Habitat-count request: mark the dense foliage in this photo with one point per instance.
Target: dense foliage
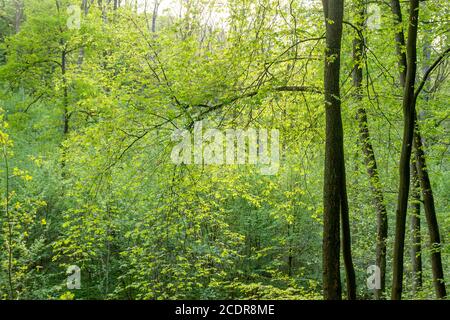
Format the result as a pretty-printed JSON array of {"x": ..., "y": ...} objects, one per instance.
[{"x": 87, "y": 117}]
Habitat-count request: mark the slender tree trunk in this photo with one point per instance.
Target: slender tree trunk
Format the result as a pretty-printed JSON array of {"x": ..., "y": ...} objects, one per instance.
[
  {"x": 369, "y": 155},
  {"x": 408, "y": 132},
  {"x": 335, "y": 202},
  {"x": 290, "y": 256},
  {"x": 65, "y": 93},
  {"x": 416, "y": 247},
  {"x": 155, "y": 15},
  {"x": 9, "y": 222},
  {"x": 85, "y": 9},
  {"x": 430, "y": 213},
  {"x": 399, "y": 40},
  {"x": 346, "y": 237},
  {"x": 65, "y": 98},
  {"x": 104, "y": 8},
  {"x": 428, "y": 199},
  {"x": 18, "y": 4}
]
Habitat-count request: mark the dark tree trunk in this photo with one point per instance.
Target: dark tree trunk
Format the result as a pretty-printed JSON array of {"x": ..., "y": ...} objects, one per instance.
[
  {"x": 408, "y": 132},
  {"x": 65, "y": 93},
  {"x": 430, "y": 215},
  {"x": 428, "y": 199},
  {"x": 346, "y": 238},
  {"x": 369, "y": 155},
  {"x": 399, "y": 40},
  {"x": 416, "y": 246},
  {"x": 65, "y": 97},
  {"x": 335, "y": 197}
]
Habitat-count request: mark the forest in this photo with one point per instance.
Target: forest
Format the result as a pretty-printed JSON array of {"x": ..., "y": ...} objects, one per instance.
[{"x": 224, "y": 149}]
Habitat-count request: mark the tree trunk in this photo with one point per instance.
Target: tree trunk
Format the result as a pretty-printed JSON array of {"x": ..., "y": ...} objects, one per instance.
[
  {"x": 369, "y": 156},
  {"x": 408, "y": 132},
  {"x": 85, "y": 9},
  {"x": 65, "y": 93},
  {"x": 346, "y": 238},
  {"x": 155, "y": 15},
  {"x": 399, "y": 40},
  {"x": 18, "y": 4},
  {"x": 430, "y": 215},
  {"x": 430, "y": 212},
  {"x": 416, "y": 247},
  {"x": 335, "y": 202},
  {"x": 9, "y": 229}
]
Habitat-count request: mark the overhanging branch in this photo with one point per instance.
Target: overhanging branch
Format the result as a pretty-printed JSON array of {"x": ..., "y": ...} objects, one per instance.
[{"x": 429, "y": 71}]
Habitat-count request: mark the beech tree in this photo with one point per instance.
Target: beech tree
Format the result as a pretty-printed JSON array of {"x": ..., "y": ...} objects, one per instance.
[
  {"x": 335, "y": 194},
  {"x": 419, "y": 161},
  {"x": 359, "y": 57}
]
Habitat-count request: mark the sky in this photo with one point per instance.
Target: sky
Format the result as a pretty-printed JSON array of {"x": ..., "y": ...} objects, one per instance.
[{"x": 215, "y": 17}]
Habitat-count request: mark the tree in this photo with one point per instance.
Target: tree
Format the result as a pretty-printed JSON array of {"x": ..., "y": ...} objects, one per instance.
[
  {"x": 335, "y": 195},
  {"x": 367, "y": 148},
  {"x": 404, "y": 167},
  {"x": 422, "y": 171},
  {"x": 416, "y": 239}
]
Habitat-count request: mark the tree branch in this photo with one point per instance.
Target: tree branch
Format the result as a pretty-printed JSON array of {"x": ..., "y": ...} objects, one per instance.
[{"x": 428, "y": 72}]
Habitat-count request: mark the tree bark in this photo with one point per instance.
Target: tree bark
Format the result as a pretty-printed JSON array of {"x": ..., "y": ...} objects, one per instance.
[
  {"x": 346, "y": 238},
  {"x": 335, "y": 197},
  {"x": 430, "y": 213},
  {"x": 408, "y": 132},
  {"x": 85, "y": 10},
  {"x": 399, "y": 40},
  {"x": 155, "y": 15},
  {"x": 18, "y": 5},
  {"x": 416, "y": 247},
  {"x": 369, "y": 155}
]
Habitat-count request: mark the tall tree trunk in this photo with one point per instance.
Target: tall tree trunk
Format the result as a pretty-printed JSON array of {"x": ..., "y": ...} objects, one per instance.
[
  {"x": 430, "y": 213},
  {"x": 346, "y": 237},
  {"x": 399, "y": 40},
  {"x": 65, "y": 97},
  {"x": 104, "y": 9},
  {"x": 428, "y": 199},
  {"x": 85, "y": 9},
  {"x": 408, "y": 132},
  {"x": 416, "y": 247},
  {"x": 335, "y": 197},
  {"x": 369, "y": 155},
  {"x": 155, "y": 15},
  {"x": 18, "y": 4},
  {"x": 9, "y": 229},
  {"x": 65, "y": 92}
]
